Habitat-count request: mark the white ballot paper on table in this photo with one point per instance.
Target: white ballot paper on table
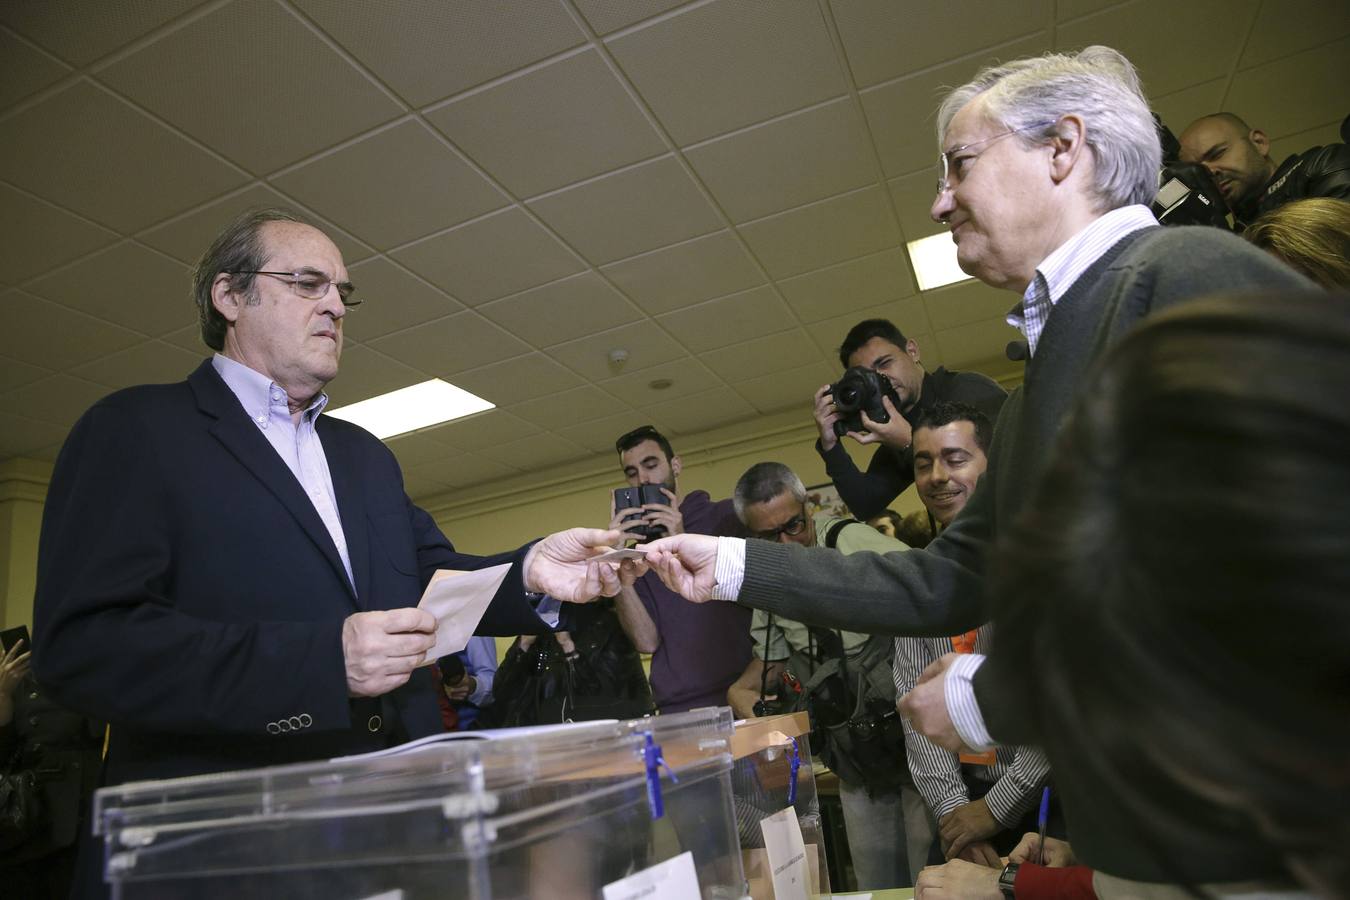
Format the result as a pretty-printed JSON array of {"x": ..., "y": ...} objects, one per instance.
[
  {"x": 787, "y": 855},
  {"x": 674, "y": 879},
  {"x": 458, "y": 600}
]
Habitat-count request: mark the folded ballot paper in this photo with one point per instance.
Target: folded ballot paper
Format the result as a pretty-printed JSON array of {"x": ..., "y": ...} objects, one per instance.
[{"x": 458, "y": 600}]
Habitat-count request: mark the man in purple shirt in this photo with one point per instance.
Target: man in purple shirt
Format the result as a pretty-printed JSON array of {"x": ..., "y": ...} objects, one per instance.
[{"x": 698, "y": 649}]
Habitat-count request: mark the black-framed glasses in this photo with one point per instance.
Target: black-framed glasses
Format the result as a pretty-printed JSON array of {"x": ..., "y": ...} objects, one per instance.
[
  {"x": 949, "y": 163},
  {"x": 792, "y": 527},
  {"x": 637, "y": 436},
  {"x": 310, "y": 284}
]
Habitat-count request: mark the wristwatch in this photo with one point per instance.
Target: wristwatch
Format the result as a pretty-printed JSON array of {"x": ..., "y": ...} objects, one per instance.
[{"x": 1007, "y": 879}]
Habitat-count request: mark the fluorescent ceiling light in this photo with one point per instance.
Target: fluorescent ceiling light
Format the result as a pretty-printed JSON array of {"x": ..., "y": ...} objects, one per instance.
[
  {"x": 410, "y": 408},
  {"x": 934, "y": 260}
]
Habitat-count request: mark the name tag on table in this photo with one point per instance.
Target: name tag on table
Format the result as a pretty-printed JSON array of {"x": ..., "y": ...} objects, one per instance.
[{"x": 674, "y": 879}]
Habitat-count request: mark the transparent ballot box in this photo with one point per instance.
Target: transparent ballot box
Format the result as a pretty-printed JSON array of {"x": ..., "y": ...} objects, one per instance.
[
  {"x": 556, "y": 812},
  {"x": 772, "y": 772}
]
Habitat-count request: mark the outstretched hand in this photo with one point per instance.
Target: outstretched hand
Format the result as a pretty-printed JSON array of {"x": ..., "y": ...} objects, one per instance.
[
  {"x": 563, "y": 565},
  {"x": 685, "y": 562}
]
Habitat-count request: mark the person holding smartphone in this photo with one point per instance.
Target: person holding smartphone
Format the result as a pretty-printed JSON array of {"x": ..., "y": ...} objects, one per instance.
[{"x": 698, "y": 650}]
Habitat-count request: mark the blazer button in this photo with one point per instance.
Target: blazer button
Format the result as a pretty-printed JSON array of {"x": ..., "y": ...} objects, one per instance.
[
  {"x": 295, "y": 723},
  {"x": 283, "y": 725},
  {"x": 273, "y": 728},
  {"x": 305, "y": 720},
  {"x": 374, "y": 724}
]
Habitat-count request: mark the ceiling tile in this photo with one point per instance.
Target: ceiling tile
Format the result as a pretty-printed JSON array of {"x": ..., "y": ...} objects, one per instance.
[
  {"x": 1066, "y": 10},
  {"x": 1277, "y": 97},
  {"x": 608, "y": 15},
  {"x": 453, "y": 344},
  {"x": 599, "y": 434},
  {"x": 519, "y": 379},
  {"x": 720, "y": 65},
  {"x": 364, "y": 373},
  {"x": 42, "y": 333},
  {"x": 59, "y": 399},
  {"x": 152, "y": 362},
  {"x": 646, "y": 343},
  {"x": 417, "y": 448},
  {"x": 1290, "y": 26},
  {"x": 189, "y": 339},
  {"x": 14, "y": 373},
  {"x": 691, "y": 415},
  {"x": 35, "y": 236},
  {"x": 886, "y": 40},
  {"x": 1179, "y": 108},
  {"x": 975, "y": 343},
  {"x": 24, "y": 69},
  {"x": 395, "y": 299},
  {"x": 1330, "y": 133},
  {"x": 81, "y": 32},
  {"x": 685, "y": 273},
  {"x": 537, "y": 452},
  {"x": 787, "y": 162},
  {"x": 483, "y": 431},
  {"x": 567, "y": 407},
  {"x": 419, "y": 489},
  {"x": 463, "y": 471},
  {"x": 967, "y": 302},
  {"x": 86, "y": 150},
  {"x": 762, "y": 356},
  {"x": 902, "y": 114},
  {"x": 128, "y": 284},
  {"x": 913, "y": 197},
  {"x": 562, "y": 311},
  {"x": 431, "y": 49},
  {"x": 687, "y": 376},
  {"x": 551, "y": 125},
  {"x": 300, "y": 95},
  {"x": 500, "y": 254},
  {"x": 1133, "y": 30},
  {"x": 728, "y": 320},
  {"x": 611, "y": 218},
  {"x": 792, "y": 389},
  {"x": 187, "y": 236},
  {"x": 908, "y": 315},
  {"x": 20, "y": 436},
  {"x": 423, "y": 186},
  {"x": 856, "y": 284},
  {"x": 831, "y": 231}
]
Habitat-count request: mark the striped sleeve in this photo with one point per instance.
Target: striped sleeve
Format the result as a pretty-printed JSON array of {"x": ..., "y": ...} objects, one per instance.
[{"x": 937, "y": 772}]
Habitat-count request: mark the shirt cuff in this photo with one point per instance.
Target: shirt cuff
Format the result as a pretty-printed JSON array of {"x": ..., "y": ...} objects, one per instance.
[
  {"x": 962, "y": 707},
  {"x": 729, "y": 571},
  {"x": 549, "y": 608}
]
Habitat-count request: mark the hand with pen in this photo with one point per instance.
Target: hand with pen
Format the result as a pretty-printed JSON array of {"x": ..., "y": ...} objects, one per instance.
[{"x": 1057, "y": 853}]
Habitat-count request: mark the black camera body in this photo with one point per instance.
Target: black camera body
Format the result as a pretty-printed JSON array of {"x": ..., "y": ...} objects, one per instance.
[
  {"x": 633, "y": 497},
  {"x": 859, "y": 391}
]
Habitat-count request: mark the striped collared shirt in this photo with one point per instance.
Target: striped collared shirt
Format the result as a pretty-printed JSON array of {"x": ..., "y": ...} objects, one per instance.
[
  {"x": 299, "y": 447},
  {"x": 1058, "y": 271}
]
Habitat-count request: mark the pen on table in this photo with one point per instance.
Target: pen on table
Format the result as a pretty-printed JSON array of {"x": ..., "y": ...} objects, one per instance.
[{"x": 1045, "y": 814}]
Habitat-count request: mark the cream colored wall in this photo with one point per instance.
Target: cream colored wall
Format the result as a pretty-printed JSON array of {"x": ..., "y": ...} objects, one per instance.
[{"x": 23, "y": 487}]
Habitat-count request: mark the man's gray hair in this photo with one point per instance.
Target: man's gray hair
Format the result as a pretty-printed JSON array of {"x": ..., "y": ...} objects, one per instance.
[
  {"x": 764, "y": 481},
  {"x": 237, "y": 248},
  {"x": 1097, "y": 83}
]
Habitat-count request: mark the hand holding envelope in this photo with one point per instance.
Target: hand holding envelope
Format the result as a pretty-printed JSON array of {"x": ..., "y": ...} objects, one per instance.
[{"x": 579, "y": 564}]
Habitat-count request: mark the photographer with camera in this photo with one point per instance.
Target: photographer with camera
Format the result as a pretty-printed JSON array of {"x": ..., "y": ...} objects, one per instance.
[
  {"x": 824, "y": 671},
  {"x": 697, "y": 649},
  {"x": 1238, "y": 156},
  {"x": 880, "y": 394}
]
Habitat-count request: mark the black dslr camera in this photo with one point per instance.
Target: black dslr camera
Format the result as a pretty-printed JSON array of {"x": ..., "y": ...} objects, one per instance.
[
  {"x": 860, "y": 391},
  {"x": 633, "y": 497}
]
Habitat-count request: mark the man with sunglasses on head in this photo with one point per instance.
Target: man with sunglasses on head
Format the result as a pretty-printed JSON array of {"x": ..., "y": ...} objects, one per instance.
[
  {"x": 1046, "y": 170},
  {"x": 232, "y": 578},
  {"x": 697, "y": 649},
  {"x": 796, "y": 666}
]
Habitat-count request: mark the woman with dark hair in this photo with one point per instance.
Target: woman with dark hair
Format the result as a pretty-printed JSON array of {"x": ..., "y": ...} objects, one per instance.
[{"x": 1174, "y": 607}]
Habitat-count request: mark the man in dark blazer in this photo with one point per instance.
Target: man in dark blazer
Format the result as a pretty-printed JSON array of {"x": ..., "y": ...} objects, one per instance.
[{"x": 230, "y": 578}]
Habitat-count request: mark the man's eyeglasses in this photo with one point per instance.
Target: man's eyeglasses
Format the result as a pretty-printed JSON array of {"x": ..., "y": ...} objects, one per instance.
[
  {"x": 949, "y": 163},
  {"x": 310, "y": 284},
  {"x": 792, "y": 527}
]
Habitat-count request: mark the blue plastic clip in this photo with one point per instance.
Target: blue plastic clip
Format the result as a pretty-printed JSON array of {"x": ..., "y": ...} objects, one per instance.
[
  {"x": 796, "y": 766},
  {"x": 654, "y": 762}
]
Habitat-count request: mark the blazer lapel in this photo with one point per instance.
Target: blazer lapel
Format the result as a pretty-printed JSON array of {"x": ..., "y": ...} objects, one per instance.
[
  {"x": 233, "y": 428},
  {"x": 345, "y": 470}
]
